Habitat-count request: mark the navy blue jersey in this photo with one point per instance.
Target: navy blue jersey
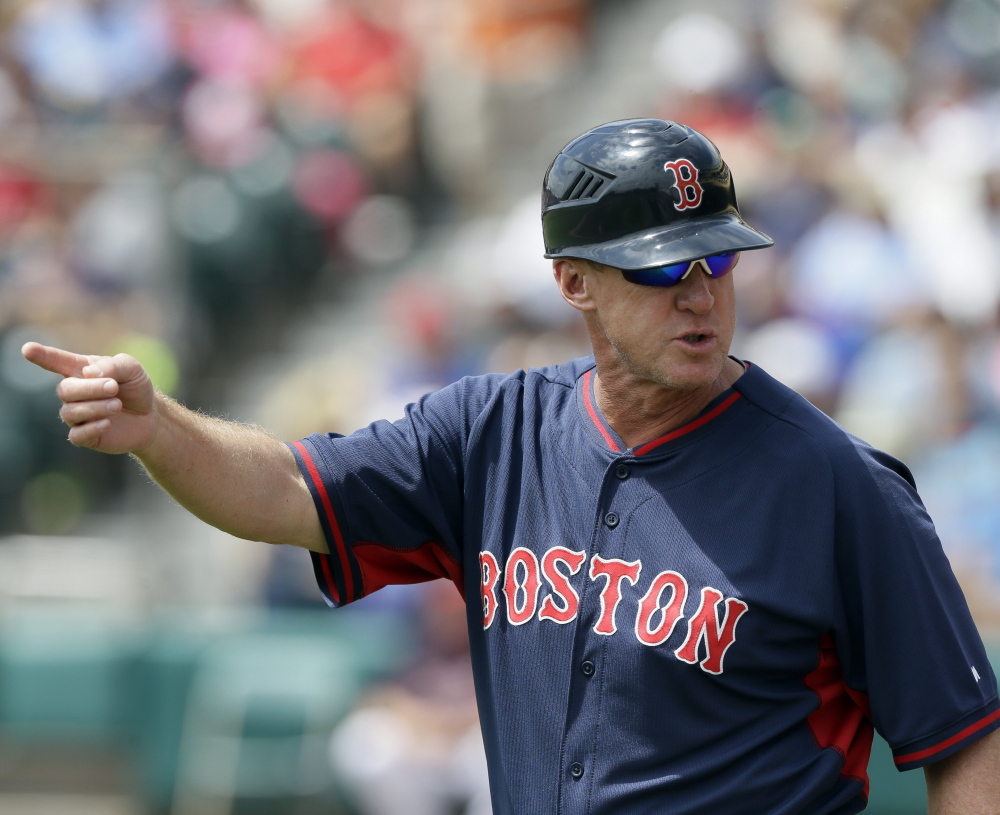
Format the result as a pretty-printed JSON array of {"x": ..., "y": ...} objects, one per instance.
[{"x": 711, "y": 621}]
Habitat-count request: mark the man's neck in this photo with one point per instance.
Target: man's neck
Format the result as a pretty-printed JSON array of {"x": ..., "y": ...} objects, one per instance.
[{"x": 640, "y": 410}]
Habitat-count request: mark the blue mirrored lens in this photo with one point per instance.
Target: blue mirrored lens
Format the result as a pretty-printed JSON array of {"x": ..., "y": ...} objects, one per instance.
[
  {"x": 719, "y": 265},
  {"x": 659, "y": 276},
  {"x": 663, "y": 276}
]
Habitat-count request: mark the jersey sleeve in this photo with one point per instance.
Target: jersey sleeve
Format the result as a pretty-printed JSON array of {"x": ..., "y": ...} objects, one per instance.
[
  {"x": 390, "y": 496},
  {"x": 907, "y": 639}
]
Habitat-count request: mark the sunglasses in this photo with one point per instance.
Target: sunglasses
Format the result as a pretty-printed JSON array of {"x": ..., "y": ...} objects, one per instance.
[{"x": 714, "y": 266}]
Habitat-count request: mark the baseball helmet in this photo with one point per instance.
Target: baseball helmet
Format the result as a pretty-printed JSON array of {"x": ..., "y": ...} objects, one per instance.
[{"x": 641, "y": 193}]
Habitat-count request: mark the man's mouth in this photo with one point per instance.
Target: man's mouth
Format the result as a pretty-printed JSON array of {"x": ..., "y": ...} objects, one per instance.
[{"x": 696, "y": 337}]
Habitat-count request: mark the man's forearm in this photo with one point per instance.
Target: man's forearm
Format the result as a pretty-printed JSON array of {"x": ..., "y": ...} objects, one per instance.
[{"x": 234, "y": 476}]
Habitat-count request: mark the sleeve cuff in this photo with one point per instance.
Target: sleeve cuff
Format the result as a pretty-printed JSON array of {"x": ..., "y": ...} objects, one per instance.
[
  {"x": 945, "y": 743},
  {"x": 337, "y": 573}
]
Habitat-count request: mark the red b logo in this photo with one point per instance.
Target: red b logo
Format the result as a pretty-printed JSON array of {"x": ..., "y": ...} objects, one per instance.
[{"x": 686, "y": 183}]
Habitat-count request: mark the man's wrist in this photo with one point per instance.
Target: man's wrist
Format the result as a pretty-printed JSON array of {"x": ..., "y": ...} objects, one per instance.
[{"x": 159, "y": 418}]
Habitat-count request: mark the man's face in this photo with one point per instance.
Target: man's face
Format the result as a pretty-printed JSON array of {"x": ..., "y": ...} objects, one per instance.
[{"x": 677, "y": 337}]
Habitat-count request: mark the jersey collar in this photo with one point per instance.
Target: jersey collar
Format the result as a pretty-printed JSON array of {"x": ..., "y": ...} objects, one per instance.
[{"x": 587, "y": 402}]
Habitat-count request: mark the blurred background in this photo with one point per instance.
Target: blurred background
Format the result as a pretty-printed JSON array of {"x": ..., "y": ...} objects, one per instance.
[{"x": 306, "y": 213}]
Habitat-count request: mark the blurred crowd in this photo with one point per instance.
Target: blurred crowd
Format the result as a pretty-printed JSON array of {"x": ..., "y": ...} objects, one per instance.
[
  {"x": 180, "y": 178},
  {"x": 185, "y": 179}
]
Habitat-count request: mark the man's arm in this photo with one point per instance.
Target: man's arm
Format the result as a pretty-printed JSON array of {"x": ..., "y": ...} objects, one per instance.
[
  {"x": 236, "y": 477},
  {"x": 968, "y": 782}
]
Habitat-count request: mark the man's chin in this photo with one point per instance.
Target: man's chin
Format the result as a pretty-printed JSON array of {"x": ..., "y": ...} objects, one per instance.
[{"x": 692, "y": 376}]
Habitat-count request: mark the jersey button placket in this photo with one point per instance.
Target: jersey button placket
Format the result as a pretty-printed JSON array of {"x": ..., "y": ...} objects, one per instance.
[{"x": 587, "y": 688}]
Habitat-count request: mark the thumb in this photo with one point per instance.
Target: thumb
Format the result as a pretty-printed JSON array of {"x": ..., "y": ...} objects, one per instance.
[{"x": 122, "y": 368}]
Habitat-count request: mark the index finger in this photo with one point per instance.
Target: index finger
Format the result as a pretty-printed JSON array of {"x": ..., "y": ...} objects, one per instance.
[{"x": 54, "y": 359}]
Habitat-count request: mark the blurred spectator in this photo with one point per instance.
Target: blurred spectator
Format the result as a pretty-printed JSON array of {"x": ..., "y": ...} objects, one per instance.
[
  {"x": 959, "y": 483},
  {"x": 83, "y": 56}
]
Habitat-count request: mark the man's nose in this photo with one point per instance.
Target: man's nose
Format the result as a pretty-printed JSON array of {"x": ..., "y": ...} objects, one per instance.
[{"x": 694, "y": 292}]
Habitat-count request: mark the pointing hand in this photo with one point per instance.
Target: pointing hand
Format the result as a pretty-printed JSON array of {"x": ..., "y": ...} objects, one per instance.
[{"x": 108, "y": 402}]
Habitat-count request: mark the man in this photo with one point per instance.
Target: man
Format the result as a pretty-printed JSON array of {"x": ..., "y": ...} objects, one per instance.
[{"x": 687, "y": 589}]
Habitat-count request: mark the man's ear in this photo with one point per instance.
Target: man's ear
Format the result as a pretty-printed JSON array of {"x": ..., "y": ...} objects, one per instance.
[{"x": 571, "y": 276}]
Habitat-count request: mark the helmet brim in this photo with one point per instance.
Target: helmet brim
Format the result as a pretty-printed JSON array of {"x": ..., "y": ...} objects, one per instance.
[{"x": 675, "y": 243}]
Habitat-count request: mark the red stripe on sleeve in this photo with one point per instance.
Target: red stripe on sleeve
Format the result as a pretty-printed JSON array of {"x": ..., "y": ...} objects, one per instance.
[
  {"x": 594, "y": 415},
  {"x": 693, "y": 425},
  {"x": 937, "y": 748},
  {"x": 338, "y": 538}
]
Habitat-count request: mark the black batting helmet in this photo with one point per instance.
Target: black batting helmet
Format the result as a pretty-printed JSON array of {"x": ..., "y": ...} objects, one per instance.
[{"x": 640, "y": 193}]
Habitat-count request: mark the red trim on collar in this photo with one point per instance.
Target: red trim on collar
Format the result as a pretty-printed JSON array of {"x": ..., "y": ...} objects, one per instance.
[
  {"x": 595, "y": 417},
  {"x": 692, "y": 425}
]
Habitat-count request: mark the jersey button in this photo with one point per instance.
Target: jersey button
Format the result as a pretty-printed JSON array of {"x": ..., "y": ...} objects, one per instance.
[
  {"x": 587, "y": 668},
  {"x": 612, "y": 520},
  {"x": 622, "y": 472},
  {"x": 576, "y": 770}
]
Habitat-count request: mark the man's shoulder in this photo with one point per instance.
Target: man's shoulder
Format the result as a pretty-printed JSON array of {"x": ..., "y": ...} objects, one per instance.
[
  {"x": 810, "y": 429},
  {"x": 475, "y": 396},
  {"x": 562, "y": 376},
  {"x": 789, "y": 407}
]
